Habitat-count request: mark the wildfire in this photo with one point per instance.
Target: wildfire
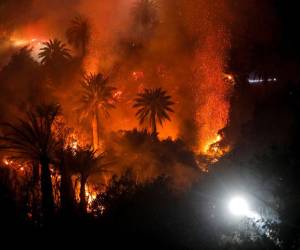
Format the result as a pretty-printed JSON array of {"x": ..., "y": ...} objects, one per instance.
[
  {"x": 214, "y": 151},
  {"x": 117, "y": 95},
  {"x": 20, "y": 42},
  {"x": 18, "y": 166},
  {"x": 137, "y": 75},
  {"x": 91, "y": 63},
  {"x": 73, "y": 142},
  {"x": 91, "y": 195},
  {"x": 210, "y": 143},
  {"x": 213, "y": 89},
  {"x": 229, "y": 78},
  {"x": 34, "y": 43},
  {"x": 7, "y": 162}
]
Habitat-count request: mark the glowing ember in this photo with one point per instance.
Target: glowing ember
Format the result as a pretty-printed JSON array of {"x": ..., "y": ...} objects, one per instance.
[
  {"x": 137, "y": 75},
  {"x": 90, "y": 195},
  {"x": 229, "y": 78},
  {"x": 15, "y": 165},
  {"x": 212, "y": 91},
  {"x": 73, "y": 142},
  {"x": 9, "y": 162},
  {"x": 214, "y": 151},
  {"x": 117, "y": 95},
  {"x": 6, "y": 162},
  {"x": 209, "y": 144}
]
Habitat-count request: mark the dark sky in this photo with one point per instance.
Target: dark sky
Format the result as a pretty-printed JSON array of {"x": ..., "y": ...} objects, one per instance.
[
  {"x": 288, "y": 14},
  {"x": 266, "y": 37}
]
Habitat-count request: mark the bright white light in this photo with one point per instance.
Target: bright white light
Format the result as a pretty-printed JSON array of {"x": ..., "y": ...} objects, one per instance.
[{"x": 238, "y": 206}]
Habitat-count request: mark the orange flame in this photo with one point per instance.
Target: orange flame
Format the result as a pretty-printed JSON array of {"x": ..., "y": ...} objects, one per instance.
[{"x": 212, "y": 90}]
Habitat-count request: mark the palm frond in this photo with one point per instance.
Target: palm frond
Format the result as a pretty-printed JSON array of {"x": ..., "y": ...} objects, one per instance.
[
  {"x": 54, "y": 51},
  {"x": 153, "y": 105},
  {"x": 31, "y": 138},
  {"x": 79, "y": 32},
  {"x": 97, "y": 95}
]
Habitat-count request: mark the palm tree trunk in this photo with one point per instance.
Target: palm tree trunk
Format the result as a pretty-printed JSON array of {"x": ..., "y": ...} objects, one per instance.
[
  {"x": 99, "y": 132},
  {"x": 47, "y": 191},
  {"x": 35, "y": 172},
  {"x": 83, "y": 202},
  {"x": 83, "y": 50},
  {"x": 95, "y": 131},
  {"x": 35, "y": 188},
  {"x": 67, "y": 194},
  {"x": 153, "y": 121}
]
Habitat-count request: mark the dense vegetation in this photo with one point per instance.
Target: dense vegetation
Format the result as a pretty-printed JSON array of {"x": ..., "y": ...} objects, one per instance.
[{"x": 150, "y": 192}]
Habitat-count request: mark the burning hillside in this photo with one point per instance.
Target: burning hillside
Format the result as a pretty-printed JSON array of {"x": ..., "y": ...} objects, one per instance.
[
  {"x": 165, "y": 122},
  {"x": 152, "y": 65}
]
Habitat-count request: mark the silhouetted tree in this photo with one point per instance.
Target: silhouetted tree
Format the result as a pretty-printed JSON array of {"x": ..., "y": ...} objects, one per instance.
[
  {"x": 54, "y": 52},
  {"x": 8, "y": 210},
  {"x": 153, "y": 106},
  {"x": 66, "y": 188},
  {"x": 21, "y": 76},
  {"x": 144, "y": 20},
  {"x": 79, "y": 34},
  {"x": 32, "y": 140},
  {"x": 22, "y": 57},
  {"x": 97, "y": 97},
  {"x": 62, "y": 154},
  {"x": 85, "y": 162},
  {"x": 56, "y": 60},
  {"x": 145, "y": 14}
]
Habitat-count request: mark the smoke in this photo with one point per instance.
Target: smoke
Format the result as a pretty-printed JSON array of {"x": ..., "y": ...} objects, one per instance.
[
  {"x": 206, "y": 26},
  {"x": 148, "y": 158},
  {"x": 186, "y": 52}
]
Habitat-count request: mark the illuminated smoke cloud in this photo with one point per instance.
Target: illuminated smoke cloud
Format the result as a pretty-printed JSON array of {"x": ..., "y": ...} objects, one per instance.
[{"x": 186, "y": 53}]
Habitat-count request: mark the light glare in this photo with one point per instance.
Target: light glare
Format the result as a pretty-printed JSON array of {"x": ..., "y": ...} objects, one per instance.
[{"x": 238, "y": 206}]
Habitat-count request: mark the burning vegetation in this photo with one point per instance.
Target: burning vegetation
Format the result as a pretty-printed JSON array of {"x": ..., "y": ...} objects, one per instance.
[
  {"x": 138, "y": 87},
  {"x": 137, "y": 119}
]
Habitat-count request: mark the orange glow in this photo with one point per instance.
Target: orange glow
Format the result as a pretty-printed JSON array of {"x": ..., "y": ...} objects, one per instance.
[
  {"x": 72, "y": 141},
  {"x": 213, "y": 91},
  {"x": 91, "y": 195},
  {"x": 20, "y": 42},
  {"x": 91, "y": 64},
  {"x": 215, "y": 151},
  {"x": 34, "y": 43},
  {"x": 7, "y": 162},
  {"x": 117, "y": 95},
  {"x": 137, "y": 75},
  {"x": 211, "y": 86},
  {"x": 207, "y": 147}
]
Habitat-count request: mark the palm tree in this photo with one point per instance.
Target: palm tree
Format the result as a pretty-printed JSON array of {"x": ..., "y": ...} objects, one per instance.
[
  {"x": 145, "y": 13},
  {"x": 85, "y": 162},
  {"x": 79, "y": 34},
  {"x": 53, "y": 53},
  {"x": 67, "y": 198},
  {"x": 153, "y": 106},
  {"x": 32, "y": 140},
  {"x": 62, "y": 154},
  {"x": 97, "y": 97},
  {"x": 23, "y": 57}
]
